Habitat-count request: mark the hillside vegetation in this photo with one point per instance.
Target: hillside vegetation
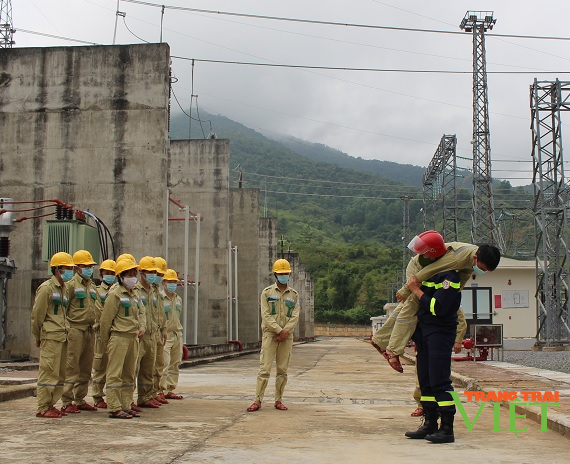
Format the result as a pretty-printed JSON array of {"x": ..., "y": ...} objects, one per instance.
[{"x": 343, "y": 215}]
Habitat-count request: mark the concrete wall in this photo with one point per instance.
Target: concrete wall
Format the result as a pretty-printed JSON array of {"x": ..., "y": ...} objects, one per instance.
[
  {"x": 89, "y": 126},
  {"x": 198, "y": 176},
  {"x": 340, "y": 330},
  {"x": 244, "y": 232}
]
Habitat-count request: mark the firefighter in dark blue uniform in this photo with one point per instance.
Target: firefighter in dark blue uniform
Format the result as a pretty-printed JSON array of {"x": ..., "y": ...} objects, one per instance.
[{"x": 440, "y": 298}]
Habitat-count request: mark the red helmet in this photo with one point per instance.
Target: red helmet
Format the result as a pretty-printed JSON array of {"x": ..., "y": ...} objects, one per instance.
[{"x": 429, "y": 244}]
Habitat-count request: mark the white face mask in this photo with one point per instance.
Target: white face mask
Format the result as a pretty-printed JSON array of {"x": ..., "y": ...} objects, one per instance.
[{"x": 130, "y": 282}]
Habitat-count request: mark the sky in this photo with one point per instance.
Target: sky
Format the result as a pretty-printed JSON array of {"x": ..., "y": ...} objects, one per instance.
[{"x": 392, "y": 116}]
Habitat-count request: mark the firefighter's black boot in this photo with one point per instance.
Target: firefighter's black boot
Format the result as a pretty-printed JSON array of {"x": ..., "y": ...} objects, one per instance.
[
  {"x": 445, "y": 432},
  {"x": 429, "y": 425}
]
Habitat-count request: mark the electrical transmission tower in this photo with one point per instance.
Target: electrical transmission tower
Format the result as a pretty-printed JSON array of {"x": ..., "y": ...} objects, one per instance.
[
  {"x": 406, "y": 234},
  {"x": 440, "y": 188},
  {"x": 551, "y": 197},
  {"x": 484, "y": 227},
  {"x": 6, "y": 28}
]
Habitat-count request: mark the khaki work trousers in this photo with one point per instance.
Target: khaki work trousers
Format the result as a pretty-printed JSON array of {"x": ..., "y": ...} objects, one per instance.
[
  {"x": 80, "y": 346},
  {"x": 270, "y": 350},
  {"x": 122, "y": 351},
  {"x": 51, "y": 375},
  {"x": 172, "y": 358},
  {"x": 159, "y": 365},
  {"x": 146, "y": 362},
  {"x": 401, "y": 325},
  {"x": 98, "y": 377}
]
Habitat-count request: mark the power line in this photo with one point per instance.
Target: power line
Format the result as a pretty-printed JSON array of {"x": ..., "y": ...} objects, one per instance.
[
  {"x": 345, "y": 68},
  {"x": 334, "y": 23}
]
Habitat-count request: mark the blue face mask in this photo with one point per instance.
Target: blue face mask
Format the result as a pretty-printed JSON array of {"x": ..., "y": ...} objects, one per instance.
[
  {"x": 477, "y": 270},
  {"x": 158, "y": 279},
  {"x": 171, "y": 287},
  {"x": 150, "y": 278},
  {"x": 67, "y": 274},
  {"x": 87, "y": 272},
  {"x": 283, "y": 278},
  {"x": 109, "y": 279}
]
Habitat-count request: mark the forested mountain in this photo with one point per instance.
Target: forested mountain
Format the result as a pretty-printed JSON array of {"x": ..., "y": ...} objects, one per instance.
[{"x": 344, "y": 215}]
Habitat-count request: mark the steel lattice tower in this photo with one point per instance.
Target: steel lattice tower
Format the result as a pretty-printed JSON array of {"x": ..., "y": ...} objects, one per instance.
[
  {"x": 483, "y": 229},
  {"x": 6, "y": 28},
  {"x": 551, "y": 196},
  {"x": 440, "y": 188}
]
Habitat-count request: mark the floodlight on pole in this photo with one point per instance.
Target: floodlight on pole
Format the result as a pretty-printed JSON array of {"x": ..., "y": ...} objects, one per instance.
[{"x": 484, "y": 228}]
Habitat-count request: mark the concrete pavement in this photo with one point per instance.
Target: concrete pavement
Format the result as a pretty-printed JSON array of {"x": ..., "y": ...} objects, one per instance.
[{"x": 345, "y": 405}]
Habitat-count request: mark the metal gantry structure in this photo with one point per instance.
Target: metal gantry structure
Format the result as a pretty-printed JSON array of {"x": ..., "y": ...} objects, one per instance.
[
  {"x": 483, "y": 229},
  {"x": 6, "y": 27},
  {"x": 551, "y": 195},
  {"x": 439, "y": 189}
]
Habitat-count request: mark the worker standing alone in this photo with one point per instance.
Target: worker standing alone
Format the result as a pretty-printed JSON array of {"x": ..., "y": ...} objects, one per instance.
[{"x": 279, "y": 315}]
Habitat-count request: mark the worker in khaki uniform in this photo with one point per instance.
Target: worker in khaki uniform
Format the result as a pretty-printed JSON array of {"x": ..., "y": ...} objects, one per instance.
[
  {"x": 122, "y": 324},
  {"x": 457, "y": 346},
  {"x": 107, "y": 274},
  {"x": 172, "y": 304},
  {"x": 161, "y": 340},
  {"x": 81, "y": 341},
  {"x": 279, "y": 315},
  {"x": 462, "y": 257},
  {"x": 146, "y": 360},
  {"x": 50, "y": 329}
]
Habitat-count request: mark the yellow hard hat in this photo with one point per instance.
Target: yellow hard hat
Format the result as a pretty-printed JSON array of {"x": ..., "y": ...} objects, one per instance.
[
  {"x": 125, "y": 264},
  {"x": 147, "y": 263},
  {"x": 161, "y": 263},
  {"x": 108, "y": 265},
  {"x": 170, "y": 274},
  {"x": 281, "y": 266},
  {"x": 126, "y": 256},
  {"x": 83, "y": 257},
  {"x": 61, "y": 259}
]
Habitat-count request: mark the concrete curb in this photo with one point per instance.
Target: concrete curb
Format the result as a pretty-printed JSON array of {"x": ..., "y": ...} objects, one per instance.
[
  {"x": 16, "y": 392},
  {"x": 555, "y": 422}
]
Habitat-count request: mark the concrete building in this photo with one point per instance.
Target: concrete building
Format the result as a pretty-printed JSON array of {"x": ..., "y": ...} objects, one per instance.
[{"x": 89, "y": 126}]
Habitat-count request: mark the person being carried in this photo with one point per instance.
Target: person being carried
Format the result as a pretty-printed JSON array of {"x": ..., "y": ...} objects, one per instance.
[{"x": 465, "y": 258}]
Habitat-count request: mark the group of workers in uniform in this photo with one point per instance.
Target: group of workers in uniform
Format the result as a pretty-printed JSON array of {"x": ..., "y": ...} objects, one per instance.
[
  {"x": 427, "y": 312},
  {"x": 123, "y": 334}
]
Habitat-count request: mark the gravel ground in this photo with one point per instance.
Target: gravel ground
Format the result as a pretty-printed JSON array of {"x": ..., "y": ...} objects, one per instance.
[{"x": 549, "y": 360}]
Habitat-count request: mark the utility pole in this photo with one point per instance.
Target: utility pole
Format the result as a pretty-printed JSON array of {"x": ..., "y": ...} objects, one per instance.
[
  {"x": 6, "y": 27},
  {"x": 483, "y": 229},
  {"x": 405, "y": 234}
]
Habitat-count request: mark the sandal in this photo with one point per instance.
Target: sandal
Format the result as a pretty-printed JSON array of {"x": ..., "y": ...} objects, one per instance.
[
  {"x": 120, "y": 415},
  {"x": 394, "y": 361},
  {"x": 418, "y": 412},
  {"x": 279, "y": 405},
  {"x": 173, "y": 396},
  {"x": 380, "y": 350},
  {"x": 133, "y": 413},
  {"x": 255, "y": 406}
]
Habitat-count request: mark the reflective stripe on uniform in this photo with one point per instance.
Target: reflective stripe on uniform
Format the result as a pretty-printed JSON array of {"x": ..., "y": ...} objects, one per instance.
[
  {"x": 427, "y": 398},
  {"x": 446, "y": 403}
]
